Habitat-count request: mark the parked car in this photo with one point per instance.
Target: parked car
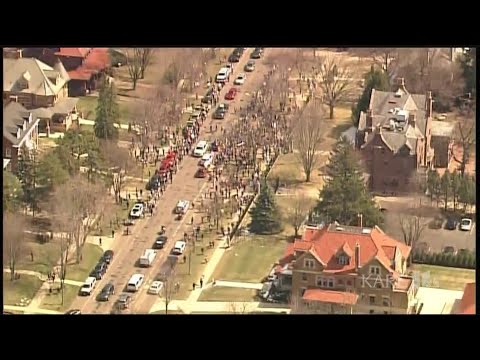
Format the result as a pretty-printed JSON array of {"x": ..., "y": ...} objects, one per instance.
[
  {"x": 137, "y": 211},
  {"x": 99, "y": 270},
  {"x": 266, "y": 289},
  {"x": 219, "y": 114},
  {"x": 450, "y": 250},
  {"x": 230, "y": 95},
  {"x": 72, "y": 312},
  {"x": 179, "y": 247},
  {"x": 88, "y": 286},
  {"x": 106, "y": 292},
  {"x": 160, "y": 242},
  {"x": 182, "y": 207},
  {"x": 234, "y": 57},
  {"x": 206, "y": 160},
  {"x": 451, "y": 224},
  {"x": 155, "y": 288},
  {"x": 239, "y": 50},
  {"x": 208, "y": 98},
  {"x": 123, "y": 301},
  {"x": 250, "y": 66},
  {"x": 466, "y": 224},
  {"x": 240, "y": 80},
  {"x": 108, "y": 256},
  {"x": 256, "y": 54}
]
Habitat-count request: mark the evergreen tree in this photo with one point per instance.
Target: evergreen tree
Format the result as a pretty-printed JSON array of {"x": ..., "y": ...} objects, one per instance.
[
  {"x": 454, "y": 187},
  {"x": 106, "y": 112},
  {"x": 344, "y": 195},
  {"x": 374, "y": 79},
  {"x": 433, "y": 183},
  {"x": 445, "y": 187},
  {"x": 468, "y": 63},
  {"x": 265, "y": 214},
  {"x": 51, "y": 173},
  {"x": 27, "y": 174},
  {"x": 12, "y": 192}
]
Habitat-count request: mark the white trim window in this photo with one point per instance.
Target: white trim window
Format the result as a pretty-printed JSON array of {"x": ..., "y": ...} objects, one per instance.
[
  {"x": 8, "y": 152},
  {"x": 331, "y": 282},
  {"x": 385, "y": 301},
  {"x": 319, "y": 281},
  {"x": 309, "y": 263},
  {"x": 374, "y": 270},
  {"x": 304, "y": 276},
  {"x": 343, "y": 260}
]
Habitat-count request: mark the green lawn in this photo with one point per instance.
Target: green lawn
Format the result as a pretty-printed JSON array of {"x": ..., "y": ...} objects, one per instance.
[
  {"x": 91, "y": 254},
  {"x": 45, "y": 257},
  {"x": 25, "y": 287},
  {"x": 251, "y": 260},
  {"x": 87, "y": 105},
  {"x": 54, "y": 301},
  {"x": 113, "y": 212},
  {"x": 170, "y": 312},
  {"x": 223, "y": 293},
  {"x": 446, "y": 277}
]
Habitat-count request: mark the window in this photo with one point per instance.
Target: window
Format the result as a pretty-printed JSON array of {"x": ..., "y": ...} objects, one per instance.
[
  {"x": 309, "y": 263},
  {"x": 319, "y": 281},
  {"x": 330, "y": 283},
  {"x": 325, "y": 282},
  {"x": 343, "y": 260},
  {"x": 340, "y": 281},
  {"x": 372, "y": 299},
  {"x": 386, "y": 301},
  {"x": 304, "y": 276},
  {"x": 374, "y": 270},
  {"x": 349, "y": 282},
  {"x": 8, "y": 152}
]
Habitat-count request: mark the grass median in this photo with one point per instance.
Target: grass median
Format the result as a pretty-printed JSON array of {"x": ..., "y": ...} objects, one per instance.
[
  {"x": 90, "y": 256},
  {"x": 23, "y": 288},
  {"x": 53, "y": 301}
]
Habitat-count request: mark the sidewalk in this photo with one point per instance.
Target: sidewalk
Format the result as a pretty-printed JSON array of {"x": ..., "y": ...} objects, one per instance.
[
  {"x": 238, "y": 284},
  {"x": 27, "y": 310}
]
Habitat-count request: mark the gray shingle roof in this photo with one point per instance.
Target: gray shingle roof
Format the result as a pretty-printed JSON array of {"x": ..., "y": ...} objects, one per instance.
[
  {"x": 39, "y": 82},
  {"x": 14, "y": 117}
]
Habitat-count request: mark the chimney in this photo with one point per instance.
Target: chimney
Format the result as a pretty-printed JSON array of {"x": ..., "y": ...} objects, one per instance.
[
  {"x": 401, "y": 84},
  {"x": 429, "y": 105},
  {"x": 357, "y": 256},
  {"x": 369, "y": 119},
  {"x": 412, "y": 120}
]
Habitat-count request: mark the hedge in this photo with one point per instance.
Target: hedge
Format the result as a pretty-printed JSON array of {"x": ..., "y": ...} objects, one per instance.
[{"x": 464, "y": 260}]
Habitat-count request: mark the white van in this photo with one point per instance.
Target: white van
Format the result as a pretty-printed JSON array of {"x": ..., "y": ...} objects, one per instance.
[
  {"x": 147, "y": 258},
  {"x": 135, "y": 282},
  {"x": 179, "y": 247},
  {"x": 222, "y": 75},
  {"x": 182, "y": 207},
  {"x": 200, "y": 149},
  {"x": 88, "y": 286}
]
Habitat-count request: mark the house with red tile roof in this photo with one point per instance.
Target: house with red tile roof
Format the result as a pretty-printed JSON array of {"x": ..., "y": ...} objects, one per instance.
[
  {"x": 467, "y": 303},
  {"x": 85, "y": 66},
  {"x": 348, "y": 269}
]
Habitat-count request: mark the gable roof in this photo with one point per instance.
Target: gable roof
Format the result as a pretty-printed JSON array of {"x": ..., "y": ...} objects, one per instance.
[
  {"x": 97, "y": 60},
  {"x": 467, "y": 304},
  {"x": 73, "y": 52},
  {"x": 15, "y": 116},
  {"x": 38, "y": 76},
  {"x": 374, "y": 245}
]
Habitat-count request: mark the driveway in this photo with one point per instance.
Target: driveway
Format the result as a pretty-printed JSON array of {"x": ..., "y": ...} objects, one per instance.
[
  {"x": 185, "y": 186},
  {"x": 437, "y": 239}
]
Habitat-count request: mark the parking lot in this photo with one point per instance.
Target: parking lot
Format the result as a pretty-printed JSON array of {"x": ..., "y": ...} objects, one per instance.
[{"x": 437, "y": 239}]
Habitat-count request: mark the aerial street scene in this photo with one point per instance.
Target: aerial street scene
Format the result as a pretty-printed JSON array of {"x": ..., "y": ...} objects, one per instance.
[{"x": 256, "y": 180}]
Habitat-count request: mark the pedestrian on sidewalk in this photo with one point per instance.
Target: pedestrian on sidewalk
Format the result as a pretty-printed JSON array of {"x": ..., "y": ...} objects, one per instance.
[
  {"x": 192, "y": 220},
  {"x": 193, "y": 286},
  {"x": 202, "y": 250},
  {"x": 113, "y": 234},
  {"x": 100, "y": 241},
  {"x": 201, "y": 283},
  {"x": 184, "y": 259},
  {"x": 31, "y": 255}
]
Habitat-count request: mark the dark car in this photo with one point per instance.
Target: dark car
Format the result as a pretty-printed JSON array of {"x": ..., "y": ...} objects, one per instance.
[
  {"x": 451, "y": 224},
  {"x": 450, "y": 250},
  {"x": 214, "y": 146},
  {"x": 259, "y": 49},
  {"x": 160, "y": 242},
  {"x": 99, "y": 270},
  {"x": 108, "y": 256},
  {"x": 153, "y": 184},
  {"x": 234, "y": 58},
  {"x": 106, "y": 292},
  {"x": 219, "y": 114},
  {"x": 255, "y": 54},
  {"x": 208, "y": 97},
  {"x": 73, "y": 312},
  {"x": 239, "y": 50},
  {"x": 123, "y": 301}
]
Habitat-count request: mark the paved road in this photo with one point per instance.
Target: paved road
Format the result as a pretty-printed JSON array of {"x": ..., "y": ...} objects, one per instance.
[{"x": 184, "y": 186}]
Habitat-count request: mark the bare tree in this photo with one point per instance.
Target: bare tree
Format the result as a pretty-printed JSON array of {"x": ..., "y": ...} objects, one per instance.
[
  {"x": 466, "y": 136},
  {"x": 383, "y": 57},
  {"x": 308, "y": 134},
  {"x": 13, "y": 240},
  {"x": 76, "y": 206},
  {"x": 120, "y": 163},
  {"x": 412, "y": 227},
  {"x": 335, "y": 82},
  {"x": 145, "y": 60},
  {"x": 170, "y": 287},
  {"x": 134, "y": 64},
  {"x": 298, "y": 211}
]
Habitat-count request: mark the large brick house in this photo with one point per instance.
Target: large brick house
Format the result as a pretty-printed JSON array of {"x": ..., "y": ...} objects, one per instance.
[
  {"x": 85, "y": 66},
  {"x": 466, "y": 305},
  {"x": 347, "y": 269},
  {"x": 394, "y": 138},
  {"x": 20, "y": 128},
  {"x": 42, "y": 89}
]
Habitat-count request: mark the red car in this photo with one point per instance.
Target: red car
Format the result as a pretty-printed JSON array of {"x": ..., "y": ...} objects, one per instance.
[{"x": 230, "y": 95}]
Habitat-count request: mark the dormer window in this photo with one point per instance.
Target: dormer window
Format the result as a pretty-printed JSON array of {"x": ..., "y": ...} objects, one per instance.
[
  {"x": 374, "y": 270},
  {"x": 309, "y": 263},
  {"x": 343, "y": 259}
]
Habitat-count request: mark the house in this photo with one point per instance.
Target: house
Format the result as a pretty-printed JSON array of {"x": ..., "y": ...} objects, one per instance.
[
  {"x": 42, "y": 89},
  {"x": 348, "y": 269},
  {"x": 467, "y": 303},
  {"x": 394, "y": 138},
  {"x": 20, "y": 128},
  {"x": 442, "y": 143},
  {"x": 85, "y": 66}
]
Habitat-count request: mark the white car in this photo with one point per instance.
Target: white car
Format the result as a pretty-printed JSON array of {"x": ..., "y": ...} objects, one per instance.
[
  {"x": 222, "y": 75},
  {"x": 182, "y": 207},
  {"x": 466, "y": 224},
  {"x": 240, "y": 80},
  {"x": 155, "y": 288},
  {"x": 136, "y": 211},
  {"x": 206, "y": 160}
]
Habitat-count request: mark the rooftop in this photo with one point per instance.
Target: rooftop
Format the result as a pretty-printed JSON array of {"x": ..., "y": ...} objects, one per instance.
[
  {"x": 330, "y": 296},
  {"x": 17, "y": 122}
]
